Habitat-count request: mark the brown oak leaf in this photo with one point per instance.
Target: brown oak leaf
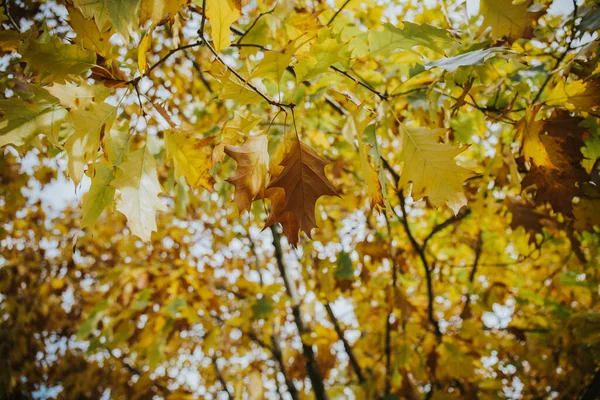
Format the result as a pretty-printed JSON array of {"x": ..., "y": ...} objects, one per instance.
[{"x": 303, "y": 181}]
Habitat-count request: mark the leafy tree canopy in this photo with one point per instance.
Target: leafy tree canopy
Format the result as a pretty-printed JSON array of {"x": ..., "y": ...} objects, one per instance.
[{"x": 300, "y": 199}]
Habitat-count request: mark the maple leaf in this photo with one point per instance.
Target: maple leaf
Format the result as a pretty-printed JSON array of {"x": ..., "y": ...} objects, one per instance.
[
  {"x": 121, "y": 14},
  {"x": 49, "y": 56},
  {"x": 36, "y": 113},
  {"x": 558, "y": 186},
  {"x": 318, "y": 59},
  {"x": 78, "y": 95},
  {"x": 159, "y": 10},
  {"x": 88, "y": 34},
  {"x": 250, "y": 177},
  {"x": 409, "y": 36},
  {"x": 138, "y": 184},
  {"x": 431, "y": 168},
  {"x": 102, "y": 193},
  {"x": 90, "y": 124},
  {"x": 508, "y": 18},
  {"x": 233, "y": 88},
  {"x": 303, "y": 181},
  {"x": 528, "y": 129},
  {"x": 575, "y": 96},
  {"x": 190, "y": 158},
  {"x": 221, "y": 14},
  {"x": 355, "y": 128}
]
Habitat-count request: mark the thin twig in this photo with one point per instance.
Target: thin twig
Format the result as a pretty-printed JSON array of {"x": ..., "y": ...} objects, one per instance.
[
  {"x": 443, "y": 225},
  {"x": 358, "y": 82},
  {"x": 251, "y": 86},
  {"x": 338, "y": 11},
  {"x": 221, "y": 378},
  {"x": 243, "y": 35},
  {"x": 9, "y": 17}
]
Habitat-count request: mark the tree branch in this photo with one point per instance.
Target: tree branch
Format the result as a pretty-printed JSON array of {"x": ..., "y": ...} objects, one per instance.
[
  {"x": 443, "y": 225},
  {"x": 312, "y": 367},
  {"x": 353, "y": 360},
  {"x": 251, "y": 86}
]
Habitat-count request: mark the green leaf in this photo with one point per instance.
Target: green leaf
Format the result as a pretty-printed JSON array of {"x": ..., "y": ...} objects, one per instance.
[
  {"x": 53, "y": 59},
  {"x": 409, "y": 36},
  {"x": 345, "y": 269},
  {"x": 41, "y": 113},
  {"x": 263, "y": 307},
  {"x": 121, "y": 14},
  {"x": 100, "y": 195},
  {"x": 476, "y": 57}
]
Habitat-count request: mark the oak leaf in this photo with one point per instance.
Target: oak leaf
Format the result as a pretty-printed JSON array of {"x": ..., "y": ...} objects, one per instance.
[
  {"x": 121, "y": 14},
  {"x": 53, "y": 59},
  {"x": 250, "y": 177},
  {"x": 37, "y": 112},
  {"x": 303, "y": 181}
]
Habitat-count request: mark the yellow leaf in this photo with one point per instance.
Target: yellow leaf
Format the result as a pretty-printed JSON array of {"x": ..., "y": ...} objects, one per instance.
[
  {"x": 138, "y": 184},
  {"x": 190, "y": 158},
  {"x": 430, "y": 167},
  {"x": 50, "y": 57},
  {"x": 233, "y": 88},
  {"x": 143, "y": 48},
  {"x": 88, "y": 34},
  {"x": 121, "y": 14},
  {"x": 221, "y": 14},
  {"x": 575, "y": 96},
  {"x": 233, "y": 133},
  {"x": 355, "y": 127},
  {"x": 508, "y": 18},
  {"x": 90, "y": 124},
  {"x": 158, "y": 10},
  {"x": 24, "y": 119},
  {"x": 529, "y": 131},
  {"x": 318, "y": 60},
  {"x": 80, "y": 95},
  {"x": 250, "y": 177}
]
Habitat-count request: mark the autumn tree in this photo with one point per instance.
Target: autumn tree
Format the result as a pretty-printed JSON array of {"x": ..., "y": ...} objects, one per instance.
[{"x": 300, "y": 199}]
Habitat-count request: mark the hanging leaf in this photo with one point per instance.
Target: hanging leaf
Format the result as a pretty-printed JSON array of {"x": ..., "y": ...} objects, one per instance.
[
  {"x": 221, "y": 14},
  {"x": 138, "y": 185},
  {"x": 250, "y": 177},
  {"x": 303, "y": 181}
]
